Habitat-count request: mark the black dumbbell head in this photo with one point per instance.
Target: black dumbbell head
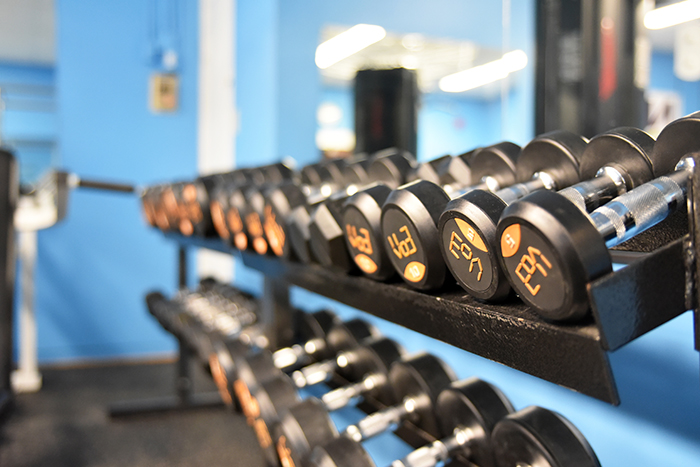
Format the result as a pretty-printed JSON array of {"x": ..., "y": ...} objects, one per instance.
[
  {"x": 549, "y": 251},
  {"x": 255, "y": 367},
  {"x": 341, "y": 452},
  {"x": 538, "y": 437},
  {"x": 326, "y": 235},
  {"x": 222, "y": 364},
  {"x": 376, "y": 356},
  {"x": 468, "y": 243},
  {"x": 497, "y": 162},
  {"x": 422, "y": 378},
  {"x": 275, "y": 396},
  {"x": 361, "y": 220},
  {"x": 476, "y": 406},
  {"x": 235, "y": 217},
  {"x": 253, "y": 218},
  {"x": 409, "y": 229},
  {"x": 299, "y": 236},
  {"x": 347, "y": 335},
  {"x": 558, "y": 153},
  {"x": 391, "y": 168},
  {"x": 273, "y": 173},
  {"x": 280, "y": 201},
  {"x": 314, "y": 325},
  {"x": 303, "y": 426},
  {"x": 626, "y": 149},
  {"x": 678, "y": 139}
]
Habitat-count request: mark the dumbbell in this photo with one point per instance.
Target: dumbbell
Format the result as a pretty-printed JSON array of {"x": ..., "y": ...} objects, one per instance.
[
  {"x": 467, "y": 227},
  {"x": 282, "y": 200},
  {"x": 550, "y": 249},
  {"x": 228, "y": 356},
  {"x": 410, "y": 215},
  {"x": 467, "y": 412},
  {"x": 218, "y": 199},
  {"x": 249, "y": 203},
  {"x": 231, "y": 197},
  {"x": 148, "y": 205},
  {"x": 253, "y": 369},
  {"x": 360, "y": 213},
  {"x": 417, "y": 383},
  {"x": 291, "y": 208},
  {"x": 538, "y": 437},
  {"x": 328, "y": 230},
  {"x": 265, "y": 405},
  {"x": 308, "y": 423}
]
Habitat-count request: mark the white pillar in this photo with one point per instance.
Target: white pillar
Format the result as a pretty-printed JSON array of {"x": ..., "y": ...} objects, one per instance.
[
  {"x": 27, "y": 378},
  {"x": 217, "y": 109}
]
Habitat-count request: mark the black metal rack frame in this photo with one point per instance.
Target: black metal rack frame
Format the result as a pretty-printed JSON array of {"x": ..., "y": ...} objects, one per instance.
[
  {"x": 9, "y": 191},
  {"x": 653, "y": 289}
]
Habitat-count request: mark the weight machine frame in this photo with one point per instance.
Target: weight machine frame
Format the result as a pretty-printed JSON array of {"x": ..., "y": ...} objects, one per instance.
[{"x": 9, "y": 191}]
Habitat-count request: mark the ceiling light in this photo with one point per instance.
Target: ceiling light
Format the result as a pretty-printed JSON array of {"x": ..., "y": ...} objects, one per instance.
[
  {"x": 672, "y": 15},
  {"x": 484, "y": 74},
  {"x": 347, "y": 43}
]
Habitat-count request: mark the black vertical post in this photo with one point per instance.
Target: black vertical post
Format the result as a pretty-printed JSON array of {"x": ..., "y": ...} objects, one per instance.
[
  {"x": 9, "y": 191},
  {"x": 276, "y": 312},
  {"x": 386, "y": 110},
  {"x": 184, "y": 384},
  {"x": 592, "y": 66}
]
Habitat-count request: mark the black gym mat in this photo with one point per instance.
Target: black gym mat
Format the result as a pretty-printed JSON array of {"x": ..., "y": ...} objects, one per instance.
[{"x": 66, "y": 424}]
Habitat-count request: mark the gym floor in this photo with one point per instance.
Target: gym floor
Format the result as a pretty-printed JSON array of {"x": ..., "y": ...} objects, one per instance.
[{"x": 67, "y": 423}]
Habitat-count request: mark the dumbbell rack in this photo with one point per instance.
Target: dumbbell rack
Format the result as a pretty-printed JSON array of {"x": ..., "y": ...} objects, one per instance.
[{"x": 655, "y": 287}]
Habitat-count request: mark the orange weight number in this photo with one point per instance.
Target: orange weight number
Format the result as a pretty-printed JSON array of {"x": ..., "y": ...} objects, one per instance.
[
  {"x": 405, "y": 247},
  {"x": 461, "y": 247},
  {"x": 360, "y": 242},
  {"x": 529, "y": 262}
]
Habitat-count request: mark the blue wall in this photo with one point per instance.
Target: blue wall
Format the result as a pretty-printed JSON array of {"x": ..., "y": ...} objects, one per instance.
[
  {"x": 300, "y": 90},
  {"x": 29, "y": 124},
  {"x": 96, "y": 266},
  {"x": 662, "y": 78}
]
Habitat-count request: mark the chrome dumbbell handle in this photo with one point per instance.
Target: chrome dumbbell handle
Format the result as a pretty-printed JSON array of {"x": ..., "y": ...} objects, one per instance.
[
  {"x": 344, "y": 396},
  {"x": 587, "y": 195},
  {"x": 539, "y": 181},
  {"x": 437, "y": 451},
  {"x": 643, "y": 207},
  {"x": 381, "y": 421}
]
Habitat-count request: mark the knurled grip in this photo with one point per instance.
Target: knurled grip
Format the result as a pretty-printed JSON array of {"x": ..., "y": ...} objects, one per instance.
[{"x": 639, "y": 209}]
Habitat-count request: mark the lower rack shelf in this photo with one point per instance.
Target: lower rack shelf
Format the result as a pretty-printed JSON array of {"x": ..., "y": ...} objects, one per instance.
[{"x": 625, "y": 304}]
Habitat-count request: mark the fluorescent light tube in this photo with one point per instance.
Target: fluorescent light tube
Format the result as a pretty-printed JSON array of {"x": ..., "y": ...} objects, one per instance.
[
  {"x": 672, "y": 15},
  {"x": 484, "y": 74},
  {"x": 348, "y": 43}
]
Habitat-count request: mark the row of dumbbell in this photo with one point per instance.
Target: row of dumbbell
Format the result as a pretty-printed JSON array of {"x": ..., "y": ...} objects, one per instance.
[
  {"x": 467, "y": 213},
  {"x": 472, "y": 418}
]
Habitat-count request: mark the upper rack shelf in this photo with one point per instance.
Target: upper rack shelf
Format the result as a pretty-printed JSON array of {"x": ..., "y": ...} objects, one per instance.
[{"x": 625, "y": 304}]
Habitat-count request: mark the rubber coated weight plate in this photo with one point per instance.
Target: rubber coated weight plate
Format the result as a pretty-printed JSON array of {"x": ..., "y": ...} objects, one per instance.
[
  {"x": 677, "y": 140},
  {"x": 626, "y": 149},
  {"x": 303, "y": 426},
  {"x": 361, "y": 220},
  {"x": 348, "y": 335},
  {"x": 341, "y": 452},
  {"x": 497, "y": 161},
  {"x": 422, "y": 378},
  {"x": 477, "y": 406},
  {"x": 549, "y": 251},
  {"x": 279, "y": 202},
  {"x": 558, "y": 153},
  {"x": 409, "y": 226},
  {"x": 537, "y": 437},
  {"x": 468, "y": 237}
]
